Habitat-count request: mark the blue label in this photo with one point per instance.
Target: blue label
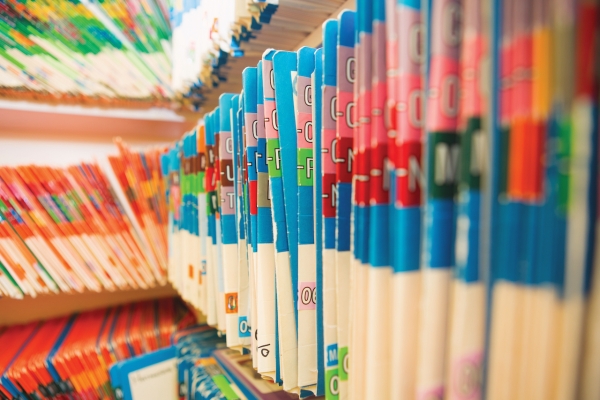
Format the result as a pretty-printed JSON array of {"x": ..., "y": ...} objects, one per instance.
[
  {"x": 332, "y": 355},
  {"x": 243, "y": 327}
]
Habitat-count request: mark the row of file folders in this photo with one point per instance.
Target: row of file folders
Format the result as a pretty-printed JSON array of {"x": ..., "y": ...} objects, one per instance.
[
  {"x": 150, "y": 350},
  {"x": 88, "y": 227},
  {"x": 408, "y": 211},
  {"x": 76, "y": 357}
]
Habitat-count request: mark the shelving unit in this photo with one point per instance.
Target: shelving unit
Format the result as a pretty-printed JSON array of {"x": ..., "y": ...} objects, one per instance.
[
  {"x": 34, "y": 129},
  {"x": 44, "y": 307},
  {"x": 40, "y": 120}
]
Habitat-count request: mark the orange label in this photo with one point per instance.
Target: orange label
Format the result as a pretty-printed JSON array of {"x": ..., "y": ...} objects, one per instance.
[{"x": 231, "y": 301}]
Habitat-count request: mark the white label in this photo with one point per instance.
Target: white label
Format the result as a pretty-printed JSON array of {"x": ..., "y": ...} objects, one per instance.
[{"x": 158, "y": 381}]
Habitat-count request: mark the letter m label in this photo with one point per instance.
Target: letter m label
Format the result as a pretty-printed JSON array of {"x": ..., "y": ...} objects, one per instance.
[
  {"x": 332, "y": 356},
  {"x": 443, "y": 160}
]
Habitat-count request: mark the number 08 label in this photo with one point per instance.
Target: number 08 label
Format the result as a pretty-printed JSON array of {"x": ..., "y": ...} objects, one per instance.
[{"x": 307, "y": 296}]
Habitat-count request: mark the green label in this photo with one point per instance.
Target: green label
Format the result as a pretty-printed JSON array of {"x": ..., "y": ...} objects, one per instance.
[
  {"x": 225, "y": 387},
  {"x": 443, "y": 161},
  {"x": 503, "y": 161},
  {"x": 305, "y": 167},
  {"x": 200, "y": 182},
  {"x": 564, "y": 160},
  {"x": 274, "y": 158},
  {"x": 472, "y": 155},
  {"x": 332, "y": 384},
  {"x": 343, "y": 366},
  {"x": 212, "y": 203}
]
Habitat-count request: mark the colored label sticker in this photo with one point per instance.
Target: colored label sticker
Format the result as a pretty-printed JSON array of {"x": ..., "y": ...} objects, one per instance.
[
  {"x": 344, "y": 366},
  {"x": 467, "y": 377},
  {"x": 307, "y": 296},
  {"x": 274, "y": 158},
  {"x": 231, "y": 303},
  {"x": 305, "y": 167},
  {"x": 444, "y": 157},
  {"x": 332, "y": 384},
  {"x": 331, "y": 354},
  {"x": 244, "y": 329},
  {"x": 432, "y": 394}
]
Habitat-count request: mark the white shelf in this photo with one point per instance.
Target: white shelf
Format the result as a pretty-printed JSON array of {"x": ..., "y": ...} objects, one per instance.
[
  {"x": 50, "y": 306},
  {"x": 33, "y": 120}
]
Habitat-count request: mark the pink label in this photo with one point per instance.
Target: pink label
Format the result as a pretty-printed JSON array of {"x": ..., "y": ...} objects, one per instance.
[
  {"x": 506, "y": 108},
  {"x": 389, "y": 111},
  {"x": 226, "y": 146},
  {"x": 363, "y": 49},
  {"x": 378, "y": 189},
  {"x": 346, "y": 114},
  {"x": 329, "y": 107},
  {"x": 329, "y": 130},
  {"x": 471, "y": 77},
  {"x": 409, "y": 110},
  {"x": 260, "y": 121},
  {"x": 466, "y": 377},
  {"x": 364, "y": 131},
  {"x": 307, "y": 296},
  {"x": 268, "y": 79},
  {"x": 432, "y": 394},
  {"x": 522, "y": 75},
  {"x": 379, "y": 93},
  {"x": 443, "y": 102},
  {"x": 304, "y": 130},
  {"x": 379, "y": 55},
  {"x": 227, "y": 200},
  {"x": 328, "y": 151},
  {"x": 346, "y": 69},
  {"x": 410, "y": 40},
  {"x": 271, "y": 123},
  {"x": 392, "y": 67},
  {"x": 446, "y": 29},
  {"x": 379, "y": 132},
  {"x": 251, "y": 125},
  {"x": 305, "y": 94}
]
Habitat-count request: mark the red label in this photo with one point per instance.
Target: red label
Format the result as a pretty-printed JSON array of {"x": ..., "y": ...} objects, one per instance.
[
  {"x": 329, "y": 195},
  {"x": 345, "y": 158},
  {"x": 253, "y": 187},
  {"x": 409, "y": 174},
  {"x": 379, "y": 175},
  {"x": 362, "y": 182}
]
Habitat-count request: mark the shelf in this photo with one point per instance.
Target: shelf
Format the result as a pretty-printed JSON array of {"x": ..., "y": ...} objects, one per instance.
[
  {"x": 39, "y": 120},
  {"x": 44, "y": 307}
]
